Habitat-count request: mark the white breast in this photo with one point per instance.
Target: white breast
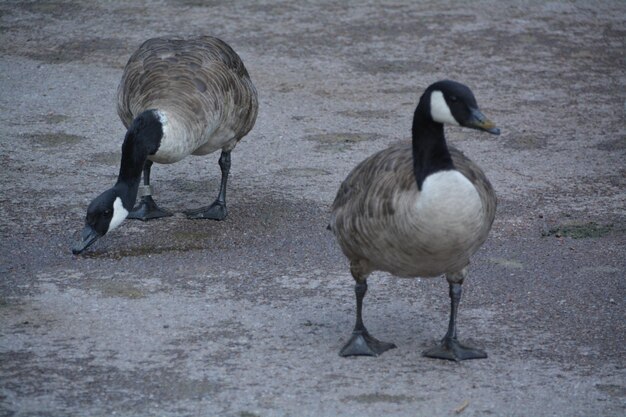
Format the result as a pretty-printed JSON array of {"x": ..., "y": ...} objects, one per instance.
[
  {"x": 177, "y": 141},
  {"x": 449, "y": 208},
  {"x": 182, "y": 137}
]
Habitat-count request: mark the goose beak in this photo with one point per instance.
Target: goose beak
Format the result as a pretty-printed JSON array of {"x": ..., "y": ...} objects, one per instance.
[
  {"x": 477, "y": 120},
  {"x": 88, "y": 237}
]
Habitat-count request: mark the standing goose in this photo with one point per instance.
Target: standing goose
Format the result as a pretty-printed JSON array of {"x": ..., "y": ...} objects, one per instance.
[
  {"x": 176, "y": 98},
  {"x": 420, "y": 209}
]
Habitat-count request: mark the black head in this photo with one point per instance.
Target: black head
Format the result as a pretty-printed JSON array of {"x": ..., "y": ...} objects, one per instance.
[
  {"x": 104, "y": 214},
  {"x": 107, "y": 211},
  {"x": 450, "y": 102}
]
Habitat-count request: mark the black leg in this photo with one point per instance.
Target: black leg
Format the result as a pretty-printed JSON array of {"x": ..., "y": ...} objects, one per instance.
[
  {"x": 217, "y": 210},
  {"x": 147, "y": 208},
  {"x": 362, "y": 343},
  {"x": 450, "y": 348}
]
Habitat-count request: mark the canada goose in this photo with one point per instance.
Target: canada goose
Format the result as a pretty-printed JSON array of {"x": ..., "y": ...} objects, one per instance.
[
  {"x": 176, "y": 98},
  {"x": 420, "y": 209}
]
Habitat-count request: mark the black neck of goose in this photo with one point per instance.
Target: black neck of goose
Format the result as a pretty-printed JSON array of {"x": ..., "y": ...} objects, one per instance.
[
  {"x": 142, "y": 139},
  {"x": 430, "y": 152}
]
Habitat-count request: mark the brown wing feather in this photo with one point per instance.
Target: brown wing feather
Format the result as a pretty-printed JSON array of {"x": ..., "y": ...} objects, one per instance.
[
  {"x": 366, "y": 198},
  {"x": 369, "y": 187}
]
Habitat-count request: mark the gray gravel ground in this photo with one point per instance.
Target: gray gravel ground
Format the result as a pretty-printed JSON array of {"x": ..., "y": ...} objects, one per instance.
[{"x": 245, "y": 317}]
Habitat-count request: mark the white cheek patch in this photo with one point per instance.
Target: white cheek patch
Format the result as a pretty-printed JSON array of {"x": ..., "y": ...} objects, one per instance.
[
  {"x": 119, "y": 214},
  {"x": 439, "y": 110}
]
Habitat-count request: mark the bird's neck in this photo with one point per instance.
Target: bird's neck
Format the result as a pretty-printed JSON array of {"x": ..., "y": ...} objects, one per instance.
[
  {"x": 142, "y": 139},
  {"x": 430, "y": 152}
]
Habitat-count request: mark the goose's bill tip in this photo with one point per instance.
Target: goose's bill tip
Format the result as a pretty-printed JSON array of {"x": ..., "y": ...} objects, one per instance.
[
  {"x": 494, "y": 130},
  {"x": 485, "y": 125},
  {"x": 78, "y": 248},
  {"x": 89, "y": 236},
  {"x": 477, "y": 120}
]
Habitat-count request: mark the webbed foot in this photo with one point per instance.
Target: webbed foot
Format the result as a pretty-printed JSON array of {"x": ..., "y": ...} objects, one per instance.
[
  {"x": 451, "y": 349},
  {"x": 147, "y": 210},
  {"x": 363, "y": 344},
  {"x": 216, "y": 211}
]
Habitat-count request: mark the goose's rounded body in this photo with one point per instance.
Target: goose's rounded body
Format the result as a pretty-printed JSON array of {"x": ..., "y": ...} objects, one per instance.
[
  {"x": 200, "y": 90},
  {"x": 383, "y": 222},
  {"x": 177, "y": 97},
  {"x": 419, "y": 209}
]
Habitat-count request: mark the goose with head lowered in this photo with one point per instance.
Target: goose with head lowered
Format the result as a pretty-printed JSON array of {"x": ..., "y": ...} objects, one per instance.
[
  {"x": 177, "y": 97},
  {"x": 419, "y": 209}
]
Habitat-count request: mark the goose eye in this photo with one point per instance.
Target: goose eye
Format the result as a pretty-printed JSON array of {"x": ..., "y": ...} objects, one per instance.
[
  {"x": 453, "y": 99},
  {"x": 107, "y": 212}
]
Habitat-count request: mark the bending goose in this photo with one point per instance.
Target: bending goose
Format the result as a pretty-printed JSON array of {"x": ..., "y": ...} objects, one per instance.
[
  {"x": 417, "y": 209},
  {"x": 176, "y": 98}
]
